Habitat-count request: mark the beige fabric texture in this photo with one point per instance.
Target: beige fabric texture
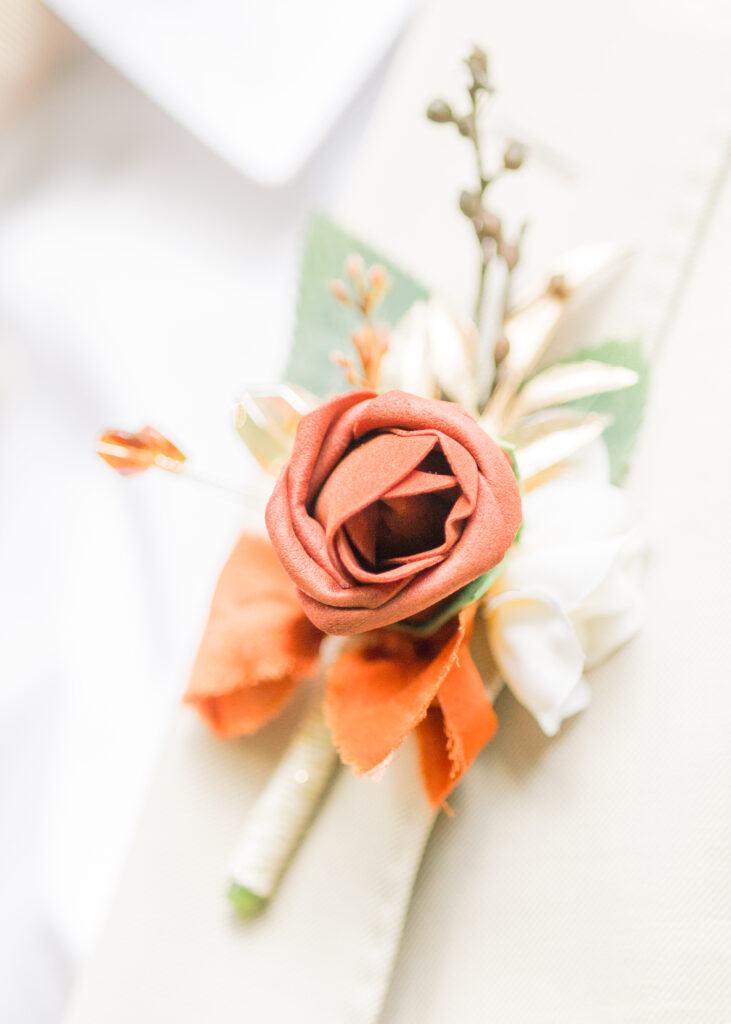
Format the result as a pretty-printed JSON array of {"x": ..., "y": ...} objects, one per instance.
[{"x": 583, "y": 878}]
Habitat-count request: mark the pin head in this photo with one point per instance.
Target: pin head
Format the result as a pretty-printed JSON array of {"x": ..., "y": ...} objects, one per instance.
[{"x": 136, "y": 453}]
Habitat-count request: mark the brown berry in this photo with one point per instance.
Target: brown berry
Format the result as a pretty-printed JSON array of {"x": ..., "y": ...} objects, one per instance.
[
  {"x": 469, "y": 204},
  {"x": 440, "y": 112},
  {"x": 502, "y": 348},
  {"x": 514, "y": 156},
  {"x": 489, "y": 226}
]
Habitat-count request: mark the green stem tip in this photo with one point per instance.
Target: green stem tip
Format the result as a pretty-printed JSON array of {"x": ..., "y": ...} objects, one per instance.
[{"x": 245, "y": 902}]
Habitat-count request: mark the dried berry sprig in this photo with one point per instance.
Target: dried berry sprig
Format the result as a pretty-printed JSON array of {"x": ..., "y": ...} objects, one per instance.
[
  {"x": 487, "y": 225},
  {"x": 363, "y": 292}
]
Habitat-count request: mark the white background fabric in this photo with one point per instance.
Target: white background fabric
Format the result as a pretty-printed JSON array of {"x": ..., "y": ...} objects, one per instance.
[
  {"x": 141, "y": 279},
  {"x": 583, "y": 877},
  {"x": 260, "y": 83}
]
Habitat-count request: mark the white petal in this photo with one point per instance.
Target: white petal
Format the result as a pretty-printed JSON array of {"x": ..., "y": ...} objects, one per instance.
[
  {"x": 615, "y": 611},
  {"x": 569, "y": 572},
  {"x": 529, "y": 332},
  {"x": 432, "y": 348},
  {"x": 576, "y": 701},
  {"x": 590, "y": 465},
  {"x": 407, "y": 363},
  {"x": 535, "y": 648},
  {"x": 540, "y": 424},
  {"x": 565, "y": 382},
  {"x": 564, "y": 511},
  {"x": 452, "y": 345},
  {"x": 560, "y": 444},
  {"x": 626, "y": 576},
  {"x": 575, "y": 537},
  {"x": 577, "y": 268},
  {"x": 602, "y": 636},
  {"x": 531, "y": 326}
]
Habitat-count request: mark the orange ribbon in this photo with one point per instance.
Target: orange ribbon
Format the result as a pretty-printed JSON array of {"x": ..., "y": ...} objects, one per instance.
[
  {"x": 258, "y": 645},
  {"x": 390, "y": 684}
]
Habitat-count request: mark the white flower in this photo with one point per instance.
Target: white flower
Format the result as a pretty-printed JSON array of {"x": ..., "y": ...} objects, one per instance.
[
  {"x": 432, "y": 350},
  {"x": 569, "y": 596}
]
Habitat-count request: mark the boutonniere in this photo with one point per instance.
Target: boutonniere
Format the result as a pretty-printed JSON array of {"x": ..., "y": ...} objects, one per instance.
[{"x": 445, "y": 518}]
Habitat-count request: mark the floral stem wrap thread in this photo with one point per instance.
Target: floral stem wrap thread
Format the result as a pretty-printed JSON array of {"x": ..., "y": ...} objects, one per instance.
[
  {"x": 279, "y": 818},
  {"x": 389, "y": 504}
]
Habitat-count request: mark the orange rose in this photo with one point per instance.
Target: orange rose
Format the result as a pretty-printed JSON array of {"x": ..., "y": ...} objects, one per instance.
[{"x": 389, "y": 504}]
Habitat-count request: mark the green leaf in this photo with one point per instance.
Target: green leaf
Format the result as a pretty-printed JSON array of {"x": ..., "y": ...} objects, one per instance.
[
  {"x": 626, "y": 406},
  {"x": 246, "y": 902},
  {"x": 468, "y": 594},
  {"x": 323, "y": 324}
]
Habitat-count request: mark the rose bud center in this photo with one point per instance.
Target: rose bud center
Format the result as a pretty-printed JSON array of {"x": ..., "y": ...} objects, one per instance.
[{"x": 392, "y": 505}]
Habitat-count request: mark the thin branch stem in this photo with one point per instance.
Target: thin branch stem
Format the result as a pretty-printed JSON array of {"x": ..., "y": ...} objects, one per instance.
[
  {"x": 486, "y": 224},
  {"x": 480, "y": 297},
  {"x": 509, "y": 275},
  {"x": 482, "y": 182}
]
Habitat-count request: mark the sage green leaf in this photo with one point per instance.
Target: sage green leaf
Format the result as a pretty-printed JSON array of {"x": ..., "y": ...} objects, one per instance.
[
  {"x": 467, "y": 595},
  {"x": 322, "y": 324},
  {"x": 626, "y": 407}
]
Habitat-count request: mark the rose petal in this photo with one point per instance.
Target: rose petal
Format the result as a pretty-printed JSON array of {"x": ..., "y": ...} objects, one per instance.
[
  {"x": 420, "y": 482},
  {"x": 365, "y": 475},
  {"x": 411, "y": 413},
  {"x": 368, "y": 473},
  {"x": 364, "y": 528},
  {"x": 413, "y": 526},
  {"x": 322, "y": 439},
  {"x": 401, "y": 572},
  {"x": 323, "y": 436},
  {"x": 337, "y": 610},
  {"x": 361, "y": 533},
  {"x": 328, "y": 594}
]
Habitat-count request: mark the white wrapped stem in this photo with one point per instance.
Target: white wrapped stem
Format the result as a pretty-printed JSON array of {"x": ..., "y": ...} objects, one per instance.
[
  {"x": 283, "y": 811},
  {"x": 277, "y": 821}
]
